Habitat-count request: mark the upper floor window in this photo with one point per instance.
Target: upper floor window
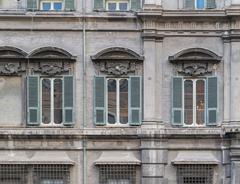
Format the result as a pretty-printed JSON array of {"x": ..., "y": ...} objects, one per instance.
[
  {"x": 195, "y": 89},
  {"x": 118, "y": 88},
  {"x": 117, "y": 5},
  {"x": 50, "y": 89},
  {"x": 51, "y": 5},
  {"x": 200, "y": 4}
]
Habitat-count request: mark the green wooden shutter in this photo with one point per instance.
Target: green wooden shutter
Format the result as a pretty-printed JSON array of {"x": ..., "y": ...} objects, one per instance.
[
  {"x": 135, "y": 93},
  {"x": 33, "y": 100},
  {"x": 68, "y": 96},
  {"x": 177, "y": 101},
  {"x": 212, "y": 100},
  {"x": 211, "y": 4},
  {"x": 135, "y": 4},
  {"x": 69, "y": 5},
  {"x": 98, "y": 4},
  {"x": 99, "y": 101},
  {"x": 32, "y": 5},
  {"x": 189, "y": 4}
]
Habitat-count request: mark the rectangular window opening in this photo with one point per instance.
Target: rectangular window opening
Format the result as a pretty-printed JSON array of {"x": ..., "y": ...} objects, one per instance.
[
  {"x": 49, "y": 5},
  {"x": 195, "y": 174},
  {"x": 117, "y": 5}
]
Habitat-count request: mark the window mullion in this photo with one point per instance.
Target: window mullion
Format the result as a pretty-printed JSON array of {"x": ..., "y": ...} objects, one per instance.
[
  {"x": 194, "y": 102},
  {"x": 52, "y": 101},
  {"x": 118, "y": 100}
]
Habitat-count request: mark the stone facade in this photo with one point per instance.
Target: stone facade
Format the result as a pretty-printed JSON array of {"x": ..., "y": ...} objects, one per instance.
[{"x": 53, "y": 43}]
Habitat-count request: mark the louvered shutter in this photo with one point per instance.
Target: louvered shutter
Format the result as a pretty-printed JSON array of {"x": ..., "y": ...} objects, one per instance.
[
  {"x": 98, "y": 4},
  {"x": 32, "y": 5},
  {"x": 211, "y": 4},
  {"x": 69, "y": 5},
  {"x": 135, "y": 4},
  {"x": 33, "y": 100},
  {"x": 177, "y": 101},
  {"x": 189, "y": 4},
  {"x": 99, "y": 101},
  {"x": 135, "y": 92},
  {"x": 212, "y": 100},
  {"x": 68, "y": 111}
]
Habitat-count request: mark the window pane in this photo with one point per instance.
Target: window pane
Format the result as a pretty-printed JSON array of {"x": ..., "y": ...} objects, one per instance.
[
  {"x": 200, "y": 4},
  {"x": 123, "y": 6},
  {"x": 123, "y": 85},
  {"x": 52, "y": 181},
  {"x": 58, "y": 6},
  {"x": 58, "y": 101},
  {"x": 112, "y": 101},
  {"x": 46, "y": 101},
  {"x": 200, "y": 102},
  {"x": 46, "y": 6},
  {"x": 188, "y": 102},
  {"x": 112, "y": 6}
]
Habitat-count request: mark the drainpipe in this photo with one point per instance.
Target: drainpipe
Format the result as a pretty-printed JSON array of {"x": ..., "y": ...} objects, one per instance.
[{"x": 84, "y": 142}]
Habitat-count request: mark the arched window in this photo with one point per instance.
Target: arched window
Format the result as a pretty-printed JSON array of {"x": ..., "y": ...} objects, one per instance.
[
  {"x": 195, "y": 88},
  {"x": 118, "y": 87}
]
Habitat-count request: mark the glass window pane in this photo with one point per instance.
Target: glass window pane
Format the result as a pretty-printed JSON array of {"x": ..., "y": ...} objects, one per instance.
[
  {"x": 46, "y": 101},
  {"x": 57, "y": 101},
  {"x": 46, "y": 6},
  {"x": 200, "y": 102},
  {"x": 188, "y": 102},
  {"x": 112, "y": 101},
  {"x": 58, "y": 6},
  {"x": 123, "y": 6},
  {"x": 200, "y": 4},
  {"x": 112, "y": 6},
  {"x": 123, "y": 85}
]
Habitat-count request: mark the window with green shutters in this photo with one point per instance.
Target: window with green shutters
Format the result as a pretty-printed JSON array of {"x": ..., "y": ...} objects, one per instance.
[
  {"x": 194, "y": 101},
  {"x": 50, "y": 5},
  {"x": 117, "y": 5},
  {"x": 50, "y": 100},
  {"x": 199, "y": 4},
  {"x": 117, "y": 101}
]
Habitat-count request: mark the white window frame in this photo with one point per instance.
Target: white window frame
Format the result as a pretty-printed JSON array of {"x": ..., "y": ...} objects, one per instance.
[
  {"x": 52, "y": 4},
  {"x": 117, "y": 123},
  {"x": 117, "y": 4},
  {"x": 194, "y": 123},
  {"x": 52, "y": 123}
]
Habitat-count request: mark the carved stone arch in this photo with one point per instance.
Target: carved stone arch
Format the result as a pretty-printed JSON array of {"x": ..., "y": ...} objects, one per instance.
[
  {"x": 12, "y": 61},
  {"x": 195, "y": 61},
  {"x": 117, "y": 61},
  {"x": 51, "y": 61},
  {"x": 51, "y": 53}
]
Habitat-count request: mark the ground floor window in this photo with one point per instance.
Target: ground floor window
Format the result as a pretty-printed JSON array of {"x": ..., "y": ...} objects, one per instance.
[
  {"x": 195, "y": 174},
  {"x": 117, "y": 174},
  {"x": 34, "y": 174}
]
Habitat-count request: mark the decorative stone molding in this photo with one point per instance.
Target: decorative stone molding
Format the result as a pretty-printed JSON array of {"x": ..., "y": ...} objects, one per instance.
[
  {"x": 195, "y": 62},
  {"x": 117, "y": 61},
  {"x": 52, "y": 69},
  {"x": 11, "y": 69}
]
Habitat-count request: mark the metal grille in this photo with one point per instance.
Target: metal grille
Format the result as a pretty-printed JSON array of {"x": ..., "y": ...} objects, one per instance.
[
  {"x": 13, "y": 174},
  {"x": 34, "y": 174},
  {"x": 117, "y": 174},
  {"x": 195, "y": 174}
]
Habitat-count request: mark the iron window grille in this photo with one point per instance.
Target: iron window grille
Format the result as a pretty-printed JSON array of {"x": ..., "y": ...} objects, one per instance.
[
  {"x": 34, "y": 174},
  {"x": 117, "y": 174},
  {"x": 195, "y": 174}
]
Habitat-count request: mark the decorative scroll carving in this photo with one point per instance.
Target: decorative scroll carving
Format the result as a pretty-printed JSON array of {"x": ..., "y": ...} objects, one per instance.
[
  {"x": 117, "y": 68},
  {"x": 52, "y": 69},
  {"x": 195, "y": 69},
  {"x": 10, "y": 69}
]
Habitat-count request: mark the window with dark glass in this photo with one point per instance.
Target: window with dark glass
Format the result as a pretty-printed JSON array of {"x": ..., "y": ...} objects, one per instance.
[
  {"x": 117, "y": 5},
  {"x": 49, "y": 5},
  {"x": 200, "y": 4}
]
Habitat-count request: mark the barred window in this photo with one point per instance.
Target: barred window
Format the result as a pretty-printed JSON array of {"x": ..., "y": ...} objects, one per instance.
[
  {"x": 34, "y": 174},
  {"x": 195, "y": 174},
  {"x": 117, "y": 174}
]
